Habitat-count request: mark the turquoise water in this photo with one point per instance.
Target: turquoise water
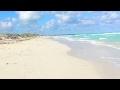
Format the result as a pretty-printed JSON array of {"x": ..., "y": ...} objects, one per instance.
[
  {"x": 110, "y": 39},
  {"x": 104, "y": 37}
]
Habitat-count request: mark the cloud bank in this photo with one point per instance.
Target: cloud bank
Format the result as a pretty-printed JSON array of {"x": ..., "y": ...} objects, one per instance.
[{"x": 28, "y": 21}]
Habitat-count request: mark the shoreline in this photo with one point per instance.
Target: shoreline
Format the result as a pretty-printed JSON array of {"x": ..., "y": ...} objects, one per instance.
[
  {"x": 93, "y": 53},
  {"x": 42, "y": 58}
]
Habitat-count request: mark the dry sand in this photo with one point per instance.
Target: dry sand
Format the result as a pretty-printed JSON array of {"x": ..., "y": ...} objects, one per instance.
[{"x": 42, "y": 58}]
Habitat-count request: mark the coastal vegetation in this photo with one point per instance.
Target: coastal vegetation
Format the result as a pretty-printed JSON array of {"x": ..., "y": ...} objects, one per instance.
[
  {"x": 17, "y": 36},
  {"x": 12, "y": 38}
]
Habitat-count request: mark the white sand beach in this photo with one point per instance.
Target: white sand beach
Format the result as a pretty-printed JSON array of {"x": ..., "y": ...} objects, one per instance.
[{"x": 42, "y": 58}]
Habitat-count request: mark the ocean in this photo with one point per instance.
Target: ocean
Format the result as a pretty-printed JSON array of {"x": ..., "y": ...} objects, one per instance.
[
  {"x": 102, "y": 47},
  {"x": 108, "y": 39}
]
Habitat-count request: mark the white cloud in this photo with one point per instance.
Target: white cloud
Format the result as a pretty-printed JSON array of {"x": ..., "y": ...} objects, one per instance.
[
  {"x": 114, "y": 16},
  {"x": 28, "y": 20},
  {"x": 14, "y": 19},
  {"x": 5, "y": 25},
  {"x": 109, "y": 19},
  {"x": 10, "y": 19},
  {"x": 29, "y": 15},
  {"x": 68, "y": 17},
  {"x": 49, "y": 25},
  {"x": 109, "y": 16},
  {"x": 67, "y": 20},
  {"x": 64, "y": 18}
]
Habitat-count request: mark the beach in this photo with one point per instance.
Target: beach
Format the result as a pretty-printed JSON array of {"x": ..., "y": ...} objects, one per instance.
[
  {"x": 43, "y": 58},
  {"x": 59, "y": 45},
  {"x": 104, "y": 56}
]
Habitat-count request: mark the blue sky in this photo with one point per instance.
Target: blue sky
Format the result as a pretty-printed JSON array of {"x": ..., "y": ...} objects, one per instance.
[{"x": 59, "y": 22}]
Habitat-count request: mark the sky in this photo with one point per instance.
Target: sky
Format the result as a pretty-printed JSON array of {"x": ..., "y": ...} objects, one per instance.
[{"x": 59, "y": 22}]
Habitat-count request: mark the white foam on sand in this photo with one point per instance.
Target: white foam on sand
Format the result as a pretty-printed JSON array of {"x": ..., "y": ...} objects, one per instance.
[
  {"x": 94, "y": 42},
  {"x": 110, "y": 58},
  {"x": 113, "y": 60}
]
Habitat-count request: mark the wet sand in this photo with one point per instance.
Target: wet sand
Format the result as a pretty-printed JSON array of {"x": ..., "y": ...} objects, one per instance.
[{"x": 100, "y": 56}]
